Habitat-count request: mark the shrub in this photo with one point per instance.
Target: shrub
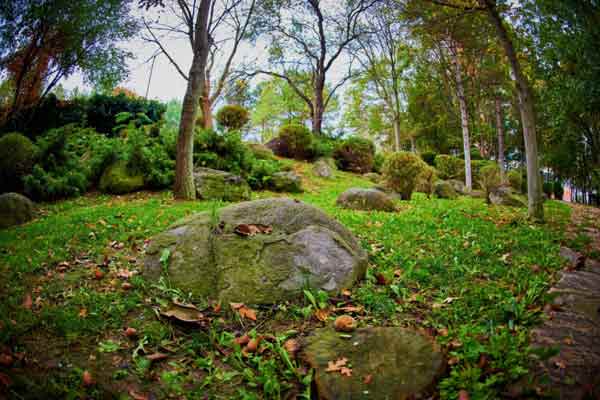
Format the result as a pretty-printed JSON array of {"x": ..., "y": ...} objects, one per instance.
[
  {"x": 297, "y": 141},
  {"x": 378, "y": 161},
  {"x": 57, "y": 184},
  {"x": 322, "y": 147},
  {"x": 476, "y": 167},
  {"x": 429, "y": 157},
  {"x": 548, "y": 188},
  {"x": 450, "y": 167},
  {"x": 261, "y": 152},
  {"x": 224, "y": 152},
  {"x": 150, "y": 157},
  {"x": 402, "y": 171},
  {"x": 355, "y": 154},
  {"x": 262, "y": 172},
  {"x": 515, "y": 179},
  {"x": 558, "y": 189},
  {"x": 489, "y": 179},
  {"x": 233, "y": 117},
  {"x": 17, "y": 156},
  {"x": 426, "y": 181}
]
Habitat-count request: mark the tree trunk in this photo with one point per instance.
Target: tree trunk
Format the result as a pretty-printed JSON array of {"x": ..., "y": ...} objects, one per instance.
[
  {"x": 500, "y": 131},
  {"x": 318, "y": 106},
  {"x": 413, "y": 144},
  {"x": 184, "y": 163},
  {"x": 527, "y": 111},
  {"x": 464, "y": 119},
  {"x": 206, "y": 104},
  {"x": 396, "y": 134}
]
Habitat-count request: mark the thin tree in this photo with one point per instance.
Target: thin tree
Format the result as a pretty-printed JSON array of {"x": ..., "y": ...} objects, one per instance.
[{"x": 308, "y": 37}]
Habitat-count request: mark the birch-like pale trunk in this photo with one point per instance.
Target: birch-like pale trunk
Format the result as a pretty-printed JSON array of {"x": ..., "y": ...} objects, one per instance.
[
  {"x": 464, "y": 119},
  {"x": 500, "y": 132}
]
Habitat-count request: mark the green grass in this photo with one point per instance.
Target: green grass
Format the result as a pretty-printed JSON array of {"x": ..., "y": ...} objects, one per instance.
[{"x": 472, "y": 275}]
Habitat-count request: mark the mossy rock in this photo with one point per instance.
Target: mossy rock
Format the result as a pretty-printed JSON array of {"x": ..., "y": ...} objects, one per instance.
[
  {"x": 505, "y": 196},
  {"x": 15, "y": 209},
  {"x": 324, "y": 168},
  {"x": 117, "y": 179},
  {"x": 402, "y": 364},
  {"x": 366, "y": 200},
  {"x": 212, "y": 184},
  {"x": 306, "y": 249},
  {"x": 286, "y": 181},
  {"x": 445, "y": 190},
  {"x": 458, "y": 186}
]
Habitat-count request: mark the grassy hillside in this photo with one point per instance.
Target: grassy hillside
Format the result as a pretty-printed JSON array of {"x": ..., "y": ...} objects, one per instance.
[{"x": 471, "y": 275}]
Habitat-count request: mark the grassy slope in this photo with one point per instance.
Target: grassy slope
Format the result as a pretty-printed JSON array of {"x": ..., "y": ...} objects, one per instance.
[{"x": 472, "y": 275}]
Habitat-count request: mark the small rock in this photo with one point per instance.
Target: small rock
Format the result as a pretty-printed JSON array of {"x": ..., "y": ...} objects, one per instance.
[
  {"x": 212, "y": 184},
  {"x": 286, "y": 181},
  {"x": 366, "y": 199},
  {"x": 504, "y": 196},
  {"x": 445, "y": 190},
  {"x": 323, "y": 168},
  {"x": 15, "y": 209}
]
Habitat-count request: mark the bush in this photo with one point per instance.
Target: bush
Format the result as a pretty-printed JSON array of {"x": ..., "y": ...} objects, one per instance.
[
  {"x": 402, "y": 171},
  {"x": 548, "y": 188},
  {"x": 225, "y": 152},
  {"x": 450, "y": 167},
  {"x": 426, "y": 181},
  {"x": 57, "y": 184},
  {"x": 476, "y": 167},
  {"x": 429, "y": 157},
  {"x": 489, "y": 179},
  {"x": 297, "y": 141},
  {"x": 261, "y": 152},
  {"x": 261, "y": 173},
  {"x": 17, "y": 156},
  {"x": 233, "y": 117},
  {"x": 322, "y": 147},
  {"x": 355, "y": 154},
  {"x": 378, "y": 161},
  {"x": 515, "y": 179},
  {"x": 151, "y": 157},
  {"x": 558, "y": 189}
]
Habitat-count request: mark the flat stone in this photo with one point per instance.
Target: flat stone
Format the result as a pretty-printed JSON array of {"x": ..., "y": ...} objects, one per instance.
[
  {"x": 386, "y": 363},
  {"x": 324, "y": 168}
]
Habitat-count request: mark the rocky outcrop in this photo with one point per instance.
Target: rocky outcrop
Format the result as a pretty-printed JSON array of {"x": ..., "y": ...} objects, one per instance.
[
  {"x": 366, "y": 200},
  {"x": 212, "y": 184},
  {"x": 286, "y": 181},
  {"x": 118, "y": 179}
]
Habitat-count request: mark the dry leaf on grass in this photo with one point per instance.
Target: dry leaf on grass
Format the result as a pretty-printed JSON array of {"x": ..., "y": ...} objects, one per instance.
[
  {"x": 252, "y": 229},
  {"x": 87, "y": 378},
  {"x": 243, "y": 311},
  {"x": 184, "y": 312},
  {"x": 157, "y": 356},
  {"x": 334, "y": 366},
  {"x": 27, "y": 301},
  {"x": 322, "y": 314},
  {"x": 344, "y": 323},
  {"x": 291, "y": 346}
]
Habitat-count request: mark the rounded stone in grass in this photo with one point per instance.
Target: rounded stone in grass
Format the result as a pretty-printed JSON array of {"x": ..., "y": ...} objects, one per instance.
[
  {"x": 366, "y": 200},
  {"x": 257, "y": 252},
  {"x": 384, "y": 363},
  {"x": 15, "y": 209},
  {"x": 212, "y": 184}
]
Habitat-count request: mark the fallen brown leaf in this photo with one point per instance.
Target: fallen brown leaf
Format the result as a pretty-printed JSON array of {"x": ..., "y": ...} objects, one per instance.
[
  {"x": 463, "y": 395},
  {"x": 291, "y": 346},
  {"x": 83, "y": 313},
  {"x": 184, "y": 312},
  {"x": 322, "y": 314},
  {"x": 333, "y": 366},
  {"x": 242, "y": 340},
  {"x": 27, "y": 301},
  {"x": 252, "y": 345},
  {"x": 5, "y": 379},
  {"x": 157, "y": 356},
  {"x": 368, "y": 379},
  {"x": 252, "y": 229},
  {"x": 137, "y": 396},
  {"x": 6, "y": 360},
  {"x": 346, "y": 371},
  {"x": 87, "y": 378},
  {"x": 130, "y": 332},
  {"x": 344, "y": 323}
]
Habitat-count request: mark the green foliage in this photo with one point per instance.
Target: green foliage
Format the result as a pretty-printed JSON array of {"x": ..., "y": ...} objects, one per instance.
[
  {"x": 355, "y": 154},
  {"x": 402, "y": 171},
  {"x": 548, "y": 188},
  {"x": 59, "y": 183},
  {"x": 261, "y": 152},
  {"x": 515, "y": 179},
  {"x": 476, "y": 168},
  {"x": 429, "y": 157},
  {"x": 558, "y": 190},
  {"x": 102, "y": 112},
  {"x": 261, "y": 173},
  {"x": 426, "y": 180},
  {"x": 297, "y": 140},
  {"x": 17, "y": 156},
  {"x": 152, "y": 156},
  {"x": 378, "y": 161},
  {"x": 450, "y": 167},
  {"x": 489, "y": 178},
  {"x": 233, "y": 116},
  {"x": 225, "y": 152},
  {"x": 322, "y": 147}
]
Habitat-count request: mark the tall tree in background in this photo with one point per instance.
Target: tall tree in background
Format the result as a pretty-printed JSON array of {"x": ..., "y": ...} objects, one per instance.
[
  {"x": 308, "y": 37},
  {"x": 44, "y": 41},
  {"x": 384, "y": 57},
  {"x": 198, "y": 22},
  {"x": 230, "y": 23}
]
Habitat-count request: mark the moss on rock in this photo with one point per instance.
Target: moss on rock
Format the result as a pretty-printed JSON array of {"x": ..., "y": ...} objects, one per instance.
[
  {"x": 117, "y": 179},
  {"x": 212, "y": 184},
  {"x": 366, "y": 199},
  {"x": 286, "y": 181},
  {"x": 445, "y": 190},
  {"x": 403, "y": 364},
  {"x": 306, "y": 249},
  {"x": 15, "y": 209}
]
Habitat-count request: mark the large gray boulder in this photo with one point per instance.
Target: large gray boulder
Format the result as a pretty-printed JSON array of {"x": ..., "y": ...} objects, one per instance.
[
  {"x": 15, "y": 209},
  {"x": 286, "y": 181},
  {"x": 212, "y": 184},
  {"x": 505, "y": 196},
  {"x": 212, "y": 257},
  {"x": 384, "y": 362},
  {"x": 366, "y": 200},
  {"x": 324, "y": 168}
]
